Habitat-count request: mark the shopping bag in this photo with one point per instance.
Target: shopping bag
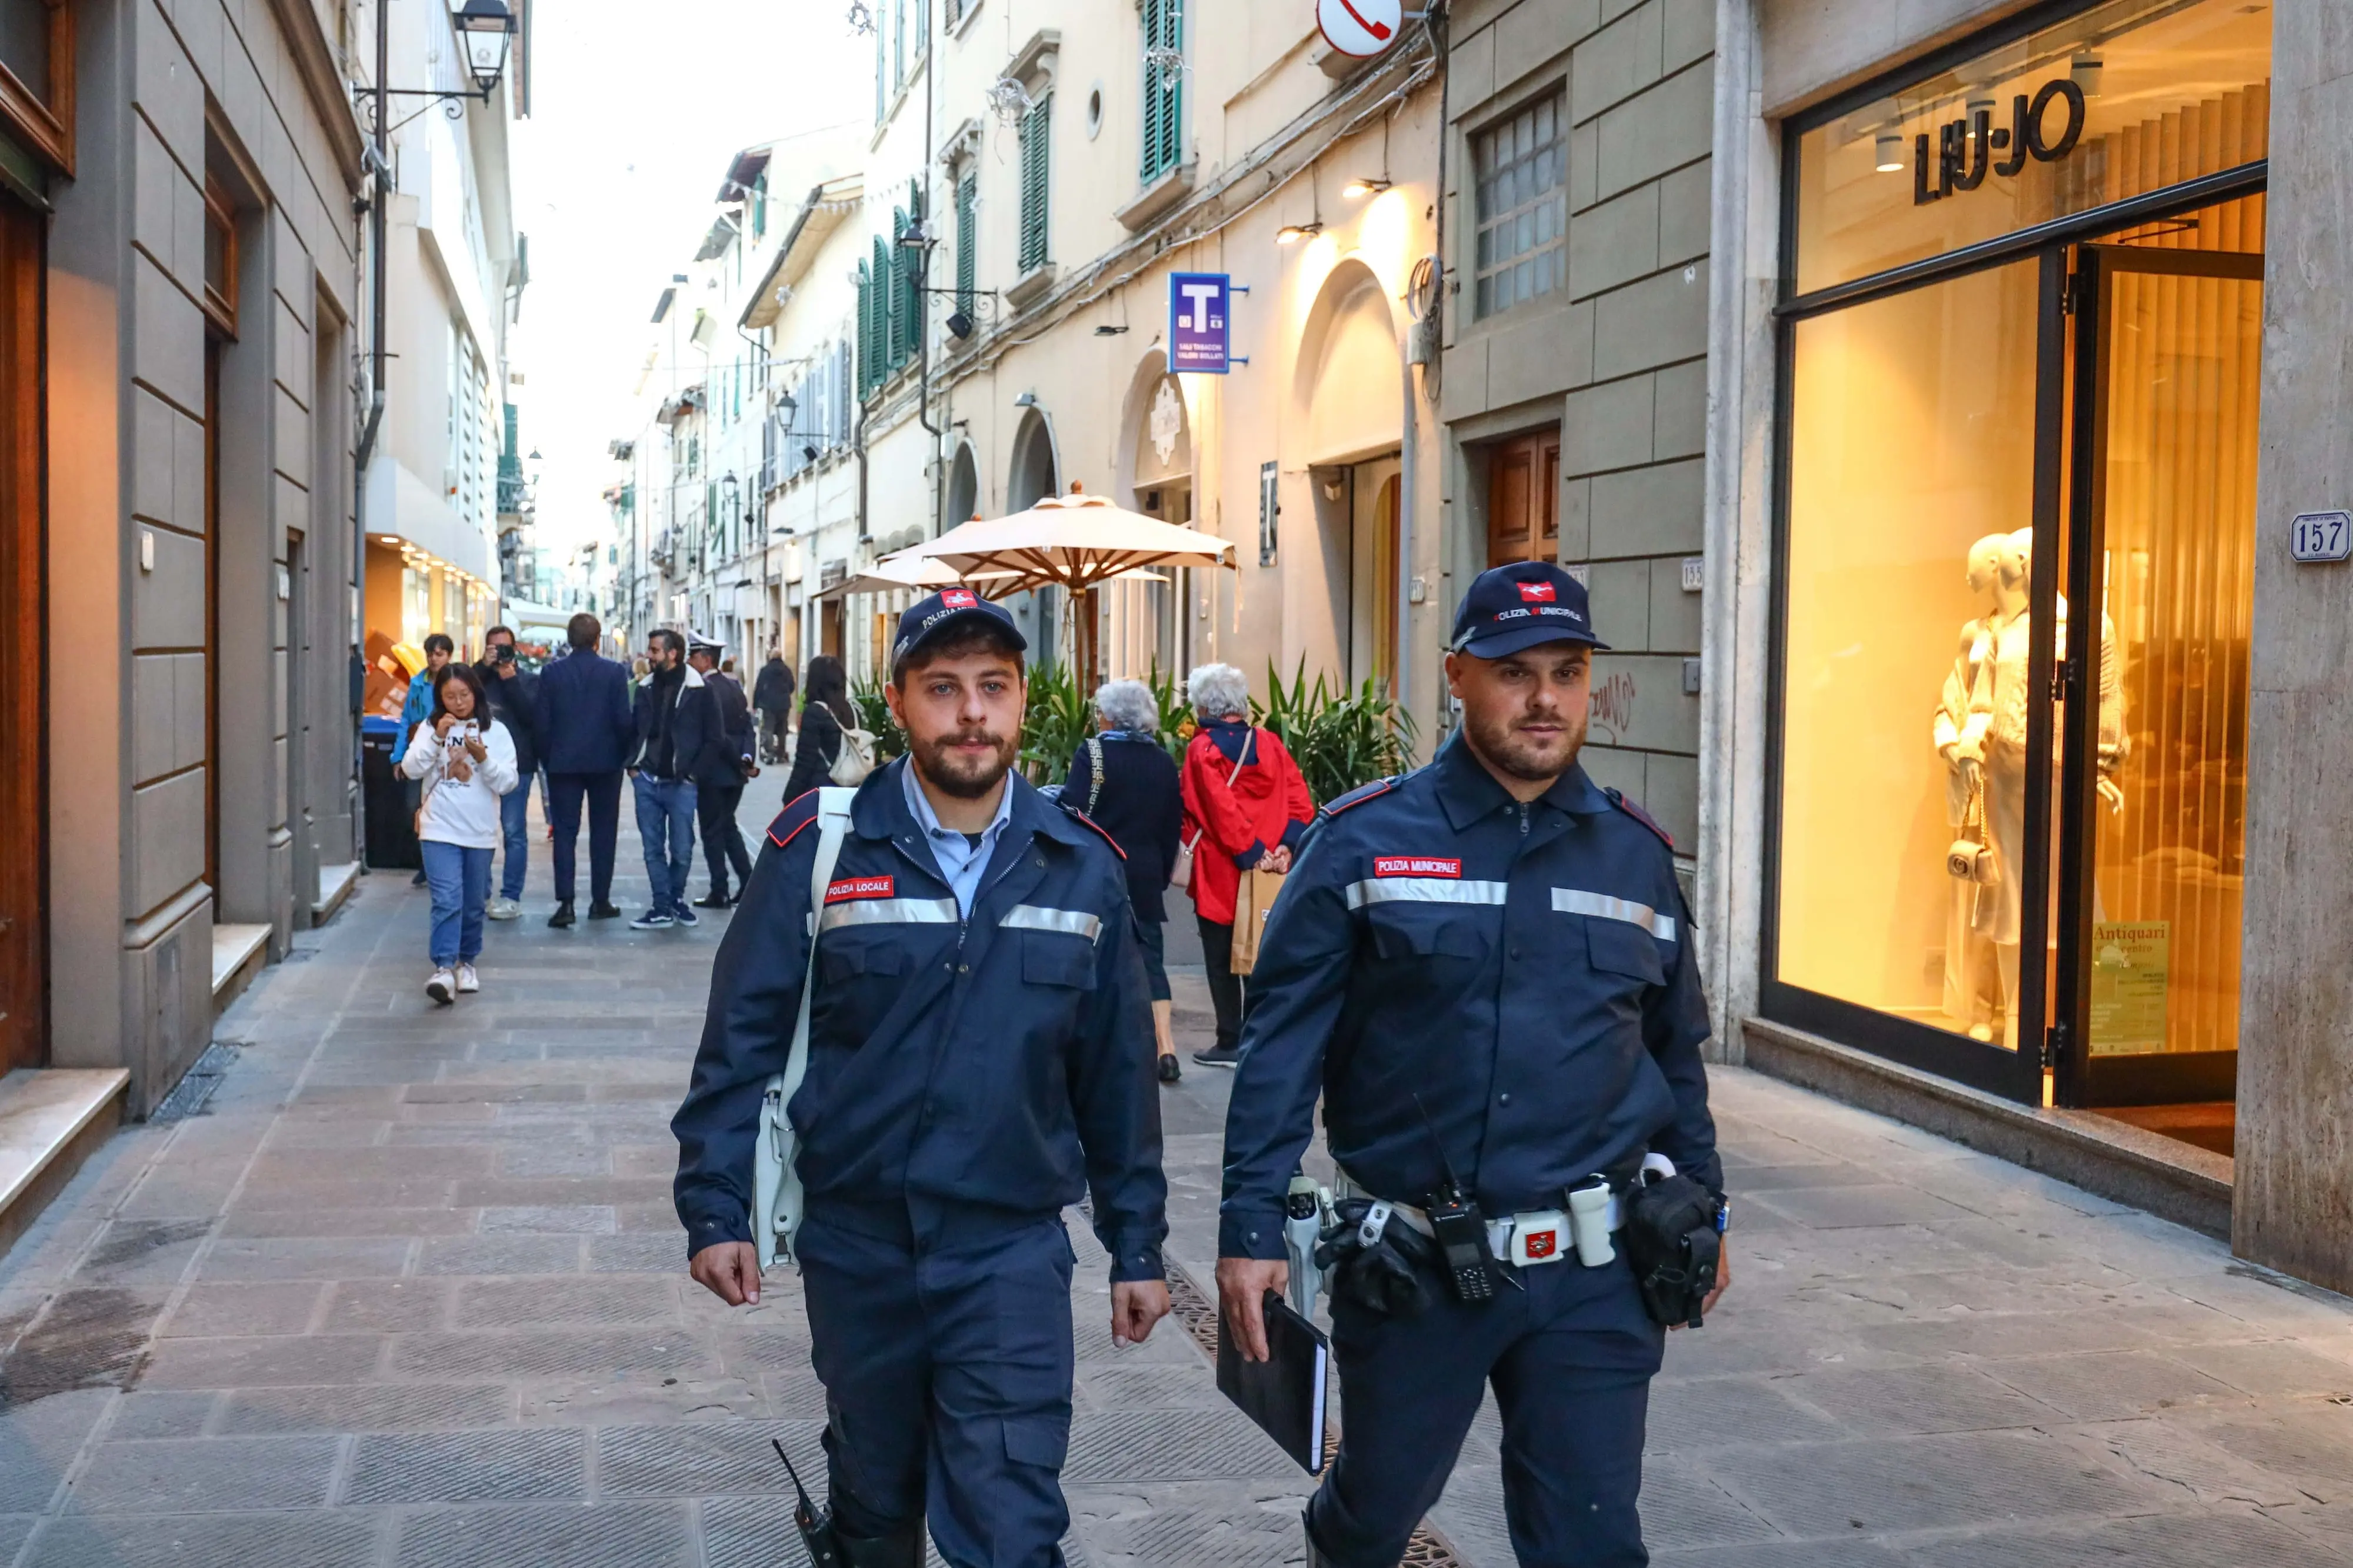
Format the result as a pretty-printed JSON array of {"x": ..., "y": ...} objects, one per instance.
[{"x": 1253, "y": 903}]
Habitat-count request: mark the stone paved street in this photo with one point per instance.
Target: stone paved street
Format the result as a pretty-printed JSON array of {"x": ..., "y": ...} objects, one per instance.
[{"x": 410, "y": 1291}]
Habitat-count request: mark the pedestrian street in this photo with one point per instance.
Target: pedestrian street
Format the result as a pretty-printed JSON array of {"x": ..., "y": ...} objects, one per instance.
[{"x": 409, "y": 1290}]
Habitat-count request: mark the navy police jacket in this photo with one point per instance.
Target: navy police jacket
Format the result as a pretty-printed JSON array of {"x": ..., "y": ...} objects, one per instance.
[
  {"x": 1523, "y": 976},
  {"x": 1004, "y": 1061}
]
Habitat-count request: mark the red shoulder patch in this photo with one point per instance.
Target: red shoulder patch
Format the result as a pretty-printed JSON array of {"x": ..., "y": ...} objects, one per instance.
[
  {"x": 1360, "y": 795},
  {"x": 1078, "y": 815},
  {"x": 1644, "y": 817},
  {"x": 799, "y": 812}
]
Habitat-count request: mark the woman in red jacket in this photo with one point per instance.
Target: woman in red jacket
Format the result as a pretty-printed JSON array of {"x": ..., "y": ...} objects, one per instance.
[{"x": 1246, "y": 805}]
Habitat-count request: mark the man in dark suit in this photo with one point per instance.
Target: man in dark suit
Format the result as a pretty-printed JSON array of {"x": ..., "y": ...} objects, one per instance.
[
  {"x": 727, "y": 761},
  {"x": 585, "y": 733}
]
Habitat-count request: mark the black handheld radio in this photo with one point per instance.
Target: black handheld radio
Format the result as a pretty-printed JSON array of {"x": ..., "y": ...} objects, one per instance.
[
  {"x": 1460, "y": 1229},
  {"x": 814, "y": 1524}
]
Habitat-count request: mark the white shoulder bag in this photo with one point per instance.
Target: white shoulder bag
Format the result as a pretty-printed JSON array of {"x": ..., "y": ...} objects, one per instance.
[{"x": 777, "y": 1206}]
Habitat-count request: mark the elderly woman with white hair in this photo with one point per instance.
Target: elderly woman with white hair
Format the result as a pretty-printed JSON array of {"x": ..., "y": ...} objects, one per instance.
[
  {"x": 1246, "y": 808},
  {"x": 1124, "y": 780}
]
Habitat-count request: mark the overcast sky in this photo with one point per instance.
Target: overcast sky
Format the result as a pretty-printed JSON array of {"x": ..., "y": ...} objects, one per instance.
[{"x": 636, "y": 111}]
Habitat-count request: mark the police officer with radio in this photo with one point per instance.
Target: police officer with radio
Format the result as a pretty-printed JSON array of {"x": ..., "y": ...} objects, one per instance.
[
  {"x": 979, "y": 1057},
  {"x": 1485, "y": 969}
]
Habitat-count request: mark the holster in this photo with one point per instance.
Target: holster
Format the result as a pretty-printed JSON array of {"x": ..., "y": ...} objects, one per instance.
[
  {"x": 1388, "y": 1279},
  {"x": 1671, "y": 1239}
]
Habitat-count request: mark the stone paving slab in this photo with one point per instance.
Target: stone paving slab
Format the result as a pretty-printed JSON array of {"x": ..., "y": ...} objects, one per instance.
[{"x": 410, "y": 1293}]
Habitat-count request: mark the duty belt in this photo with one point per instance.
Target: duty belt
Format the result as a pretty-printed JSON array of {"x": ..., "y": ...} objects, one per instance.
[{"x": 1530, "y": 1238}]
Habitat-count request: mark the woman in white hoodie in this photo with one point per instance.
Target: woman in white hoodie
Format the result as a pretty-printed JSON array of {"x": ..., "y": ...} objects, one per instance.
[{"x": 465, "y": 760}]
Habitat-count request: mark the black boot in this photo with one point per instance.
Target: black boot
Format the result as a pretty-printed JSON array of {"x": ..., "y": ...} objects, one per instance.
[
  {"x": 562, "y": 918},
  {"x": 903, "y": 1550},
  {"x": 604, "y": 910}
]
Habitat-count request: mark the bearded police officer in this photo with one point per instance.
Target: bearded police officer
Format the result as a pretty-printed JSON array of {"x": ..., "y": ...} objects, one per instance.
[
  {"x": 980, "y": 1055},
  {"x": 1485, "y": 968}
]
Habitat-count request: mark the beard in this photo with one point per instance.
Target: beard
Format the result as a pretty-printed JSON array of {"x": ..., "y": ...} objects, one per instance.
[
  {"x": 955, "y": 772},
  {"x": 1509, "y": 750}
]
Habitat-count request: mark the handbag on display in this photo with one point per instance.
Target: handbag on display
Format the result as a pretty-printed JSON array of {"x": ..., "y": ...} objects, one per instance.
[{"x": 1971, "y": 858}]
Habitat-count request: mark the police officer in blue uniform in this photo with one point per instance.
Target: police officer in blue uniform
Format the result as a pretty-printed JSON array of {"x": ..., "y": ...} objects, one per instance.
[
  {"x": 1485, "y": 969},
  {"x": 981, "y": 1057}
]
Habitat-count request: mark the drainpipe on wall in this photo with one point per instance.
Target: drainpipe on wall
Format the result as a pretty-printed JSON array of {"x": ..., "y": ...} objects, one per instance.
[{"x": 380, "y": 172}]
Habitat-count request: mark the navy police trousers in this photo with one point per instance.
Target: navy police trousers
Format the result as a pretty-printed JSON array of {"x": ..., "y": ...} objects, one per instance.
[
  {"x": 1570, "y": 1356},
  {"x": 942, "y": 1337}
]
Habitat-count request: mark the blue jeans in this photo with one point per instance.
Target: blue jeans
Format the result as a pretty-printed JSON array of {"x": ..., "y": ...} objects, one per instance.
[
  {"x": 666, "y": 823},
  {"x": 514, "y": 821},
  {"x": 460, "y": 879}
]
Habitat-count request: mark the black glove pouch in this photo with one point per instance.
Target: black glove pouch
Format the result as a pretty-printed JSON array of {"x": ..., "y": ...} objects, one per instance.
[
  {"x": 1391, "y": 1278},
  {"x": 1671, "y": 1240}
]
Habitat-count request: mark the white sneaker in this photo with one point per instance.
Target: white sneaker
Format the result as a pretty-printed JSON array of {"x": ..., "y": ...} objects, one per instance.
[
  {"x": 468, "y": 981},
  {"x": 504, "y": 910},
  {"x": 442, "y": 987}
]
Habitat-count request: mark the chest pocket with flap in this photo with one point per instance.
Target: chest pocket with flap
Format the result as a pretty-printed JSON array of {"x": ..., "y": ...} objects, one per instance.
[
  {"x": 1052, "y": 958},
  {"x": 1620, "y": 947}
]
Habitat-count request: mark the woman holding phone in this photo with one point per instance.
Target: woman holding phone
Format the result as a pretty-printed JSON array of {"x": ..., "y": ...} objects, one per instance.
[{"x": 464, "y": 762}]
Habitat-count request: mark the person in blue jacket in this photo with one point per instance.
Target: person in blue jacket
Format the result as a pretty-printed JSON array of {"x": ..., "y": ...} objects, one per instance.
[
  {"x": 980, "y": 1058},
  {"x": 585, "y": 732},
  {"x": 1485, "y": 969}
]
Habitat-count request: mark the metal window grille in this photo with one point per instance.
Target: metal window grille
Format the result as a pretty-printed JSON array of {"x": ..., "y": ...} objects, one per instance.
[
  {"x": 1164, "y": 87},
  {"x": 968, "y": 204},
  {"x": 1037, "y": 133},
  {"x": 1520, "y": 167}
]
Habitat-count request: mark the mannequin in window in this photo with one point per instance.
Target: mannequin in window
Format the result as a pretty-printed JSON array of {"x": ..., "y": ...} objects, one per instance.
[
  {"x": 1995, "y": 744},
  {"x": 1972, "y": 977}
]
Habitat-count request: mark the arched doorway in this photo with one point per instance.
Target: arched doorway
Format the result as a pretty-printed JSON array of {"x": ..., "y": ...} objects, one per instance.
[
  {"x": 1145, "y": 625},
  {"x": 1351, "y": 391},
  {"x": 964, "y": 489},
  {"x": 1033, "y": 475}
]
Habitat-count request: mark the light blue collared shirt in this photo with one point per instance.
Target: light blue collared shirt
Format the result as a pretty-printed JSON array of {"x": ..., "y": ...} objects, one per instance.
[{"x": 960, "y": 860}]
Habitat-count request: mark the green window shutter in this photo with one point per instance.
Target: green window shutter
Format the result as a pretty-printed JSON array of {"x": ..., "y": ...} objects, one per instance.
[
  {"x": 866, "y": 356},
  {"x": 1163, "y": 89},
  {"x": 883, "y": 361},
  {"x": 912, "y": 260},
  {"x": 967, "y": 198},
  {"x": 1037, "y": 133},
  {"x": 898, "y": 306}
]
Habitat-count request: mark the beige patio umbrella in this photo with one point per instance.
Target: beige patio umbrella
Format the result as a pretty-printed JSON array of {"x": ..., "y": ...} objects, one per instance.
[
  {"x": 905, "y": 572},
  {"x": 1077, "y": 541}
]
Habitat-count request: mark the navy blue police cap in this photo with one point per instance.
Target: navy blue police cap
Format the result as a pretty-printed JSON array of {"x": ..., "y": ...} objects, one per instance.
[
  {"x": 951, "y": 610},
  {"x": 1523, "y": 605}
]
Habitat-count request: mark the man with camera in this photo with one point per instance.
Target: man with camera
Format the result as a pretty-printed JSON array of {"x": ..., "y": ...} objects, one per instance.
[
  {"x": 514, "y": 702},
  {"x": 1485, "y": 969}
]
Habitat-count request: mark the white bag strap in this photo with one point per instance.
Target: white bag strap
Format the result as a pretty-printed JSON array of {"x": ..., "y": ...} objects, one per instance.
[
  {"x": 1248, "y": 746},
  {"x": 776, "y": 1184}
]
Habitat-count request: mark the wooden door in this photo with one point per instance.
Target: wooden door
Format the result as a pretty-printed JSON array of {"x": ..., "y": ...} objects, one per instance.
[
  {"x": 24, "y": 844},
  {"x": 1523, "y": 498}
]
